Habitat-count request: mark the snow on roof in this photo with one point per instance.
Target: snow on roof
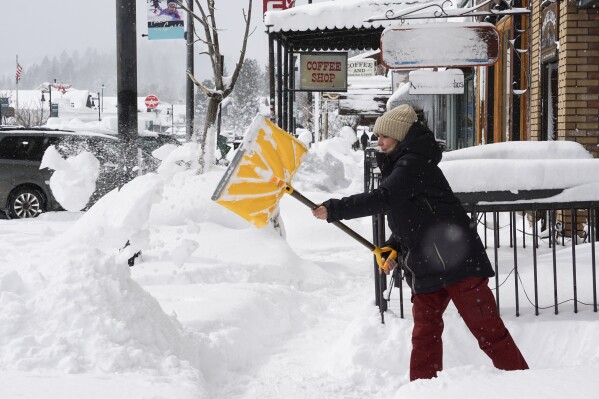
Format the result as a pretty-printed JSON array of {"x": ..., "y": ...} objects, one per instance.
[
  {"x": 361, "y": 94},
  {"x": 369, "y": 84},
  {"x": 32, "y": 98},
  {"x": 340, "y": 14},
  {"x": 366, "y": 54}
]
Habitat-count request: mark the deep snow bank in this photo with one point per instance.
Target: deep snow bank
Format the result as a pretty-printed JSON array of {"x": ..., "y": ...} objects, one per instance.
[
  {"x": 70, "y": 304},
  {"x": 330, "y": 166}
]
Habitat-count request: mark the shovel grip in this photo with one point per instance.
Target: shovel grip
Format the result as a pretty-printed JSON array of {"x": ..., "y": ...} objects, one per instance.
[{"x": 378, "y": 254}]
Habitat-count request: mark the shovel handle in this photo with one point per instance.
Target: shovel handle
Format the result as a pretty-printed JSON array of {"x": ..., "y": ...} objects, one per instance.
[{"x": 295, "y": 194}]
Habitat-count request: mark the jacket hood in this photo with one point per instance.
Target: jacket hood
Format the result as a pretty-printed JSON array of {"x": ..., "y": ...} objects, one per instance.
[{"x": 421, "y": 141}]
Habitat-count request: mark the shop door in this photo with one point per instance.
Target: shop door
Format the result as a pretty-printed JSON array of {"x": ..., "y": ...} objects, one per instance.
[{"x": 549, "y": 89}]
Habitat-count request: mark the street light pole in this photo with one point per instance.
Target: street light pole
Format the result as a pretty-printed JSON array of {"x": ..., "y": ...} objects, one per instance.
[
  {"x": 102, "y": 97},
  {"x": 99, "y": 108},
  {"x": 189, "y": 85}
]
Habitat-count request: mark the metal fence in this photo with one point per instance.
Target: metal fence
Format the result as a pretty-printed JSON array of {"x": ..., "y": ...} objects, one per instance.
[{"x": 553, "y": 231}]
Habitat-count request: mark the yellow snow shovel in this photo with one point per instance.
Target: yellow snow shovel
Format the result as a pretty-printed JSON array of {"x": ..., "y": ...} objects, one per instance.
[{"x": 261, "y": 173}]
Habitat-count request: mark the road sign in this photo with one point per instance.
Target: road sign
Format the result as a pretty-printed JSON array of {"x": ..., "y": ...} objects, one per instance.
[
  {"x": 446, "y": 44},
  {"x": 54, "y": 110},
  {"x": 151, "y": 102}
]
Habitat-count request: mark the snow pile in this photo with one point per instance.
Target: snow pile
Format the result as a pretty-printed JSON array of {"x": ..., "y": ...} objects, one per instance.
[
  {"x": 79, "y": 310},
  {"x": 548, "y": 165},
  {"x": 330, "y": 165},
  {"x": 74, "y": 179},
  {"x": 191, "y": 218},
  {"x": 348, "y": 134},
  {"x": 305, "y": 136},
  {"x": 521, "y": 150}
]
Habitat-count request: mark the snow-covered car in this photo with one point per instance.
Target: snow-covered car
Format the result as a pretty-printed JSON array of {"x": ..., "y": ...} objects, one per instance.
[{"x": 24, "y": 187}]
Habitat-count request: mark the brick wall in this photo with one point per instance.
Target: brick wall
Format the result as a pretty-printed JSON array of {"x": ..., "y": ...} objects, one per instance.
[
  {"x": 535, "y": 72},
  {"x": 579, "y": 76},
  {"x": 578, "y": 79}
]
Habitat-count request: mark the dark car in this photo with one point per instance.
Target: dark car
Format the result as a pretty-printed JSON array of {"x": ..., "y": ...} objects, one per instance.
[
  {"x": 24, "y": 187},
  {"x": 152, "y": 141}
]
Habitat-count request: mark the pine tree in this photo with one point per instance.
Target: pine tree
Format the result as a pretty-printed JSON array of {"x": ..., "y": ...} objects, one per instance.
[{"x": 245, "y": 97}]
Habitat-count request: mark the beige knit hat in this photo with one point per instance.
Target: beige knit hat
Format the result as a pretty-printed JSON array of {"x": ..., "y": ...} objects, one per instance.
[{"x": 396, "y": 122}]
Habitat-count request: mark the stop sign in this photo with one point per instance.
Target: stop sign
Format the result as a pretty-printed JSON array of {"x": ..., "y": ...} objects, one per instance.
[{"x": 151, "y": 102}]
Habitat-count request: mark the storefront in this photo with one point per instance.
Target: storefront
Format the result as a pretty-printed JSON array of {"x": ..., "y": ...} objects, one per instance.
[{"x": 449, "y": 115}]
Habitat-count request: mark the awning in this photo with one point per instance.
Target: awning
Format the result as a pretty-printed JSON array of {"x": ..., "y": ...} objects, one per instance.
[{"x": 335, "y": 25}]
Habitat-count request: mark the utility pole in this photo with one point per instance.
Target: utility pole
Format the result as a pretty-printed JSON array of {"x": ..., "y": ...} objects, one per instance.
[
  {"x": 126, "y": 45},
  {"x": 220, "y": 105},
  {"x": 189, "y": 86}
]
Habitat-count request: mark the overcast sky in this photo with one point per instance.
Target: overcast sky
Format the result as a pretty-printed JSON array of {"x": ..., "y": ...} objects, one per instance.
[{"x": 36, "y": 28}]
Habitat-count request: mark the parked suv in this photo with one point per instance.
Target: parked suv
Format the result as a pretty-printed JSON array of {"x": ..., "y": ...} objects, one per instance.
[{"x": 24, "y": 187}]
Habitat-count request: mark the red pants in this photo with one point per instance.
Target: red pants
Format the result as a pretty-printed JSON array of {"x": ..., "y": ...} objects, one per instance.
[{"x": 476, "y": 304}]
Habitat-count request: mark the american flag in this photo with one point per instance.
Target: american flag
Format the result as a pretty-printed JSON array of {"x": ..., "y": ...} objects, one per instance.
[{"x": 19, "y": 70}]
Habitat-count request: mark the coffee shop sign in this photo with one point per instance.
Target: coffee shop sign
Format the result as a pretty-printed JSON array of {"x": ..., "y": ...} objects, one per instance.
[
  {"x": 323, "y": 71},
  {"x": 360, "y": 67}
]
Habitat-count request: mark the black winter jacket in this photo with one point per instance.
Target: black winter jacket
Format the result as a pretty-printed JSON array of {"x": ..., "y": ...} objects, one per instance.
[{"x": 429, "y": 226}]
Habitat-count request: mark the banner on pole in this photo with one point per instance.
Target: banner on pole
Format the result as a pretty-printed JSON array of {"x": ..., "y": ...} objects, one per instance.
[
  {"x": 164, "y": 20},
  {"x": 269, "y": 5}
]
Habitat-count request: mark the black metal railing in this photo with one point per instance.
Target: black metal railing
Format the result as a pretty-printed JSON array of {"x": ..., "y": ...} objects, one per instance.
[{"x": 535, "y": 229}]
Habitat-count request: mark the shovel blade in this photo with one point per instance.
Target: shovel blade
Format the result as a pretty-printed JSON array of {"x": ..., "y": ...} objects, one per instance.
[{"x": 262, "y": 168}]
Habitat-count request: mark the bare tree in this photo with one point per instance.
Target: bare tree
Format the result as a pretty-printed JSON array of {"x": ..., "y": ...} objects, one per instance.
[
  {"x": 30, "y": 115},
  {"x": 223, "y": 85}
]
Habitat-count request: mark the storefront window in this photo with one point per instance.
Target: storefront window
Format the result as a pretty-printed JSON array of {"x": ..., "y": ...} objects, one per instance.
[{"x": 454, "y": 117}]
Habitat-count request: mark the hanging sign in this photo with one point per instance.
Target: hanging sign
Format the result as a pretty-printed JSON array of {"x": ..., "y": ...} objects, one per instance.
[
  {"x": 164, "y": 20},
  {"x": 61, "y": 87},
  {"x": 448, "y": 44},
  {"x": 549, "y": 33},
  {"x": 269, "y": 5},
  {"x": 450, "y": 81},
  {"x": 323, "y": 71},
  {"x": 360, "y": 67}
]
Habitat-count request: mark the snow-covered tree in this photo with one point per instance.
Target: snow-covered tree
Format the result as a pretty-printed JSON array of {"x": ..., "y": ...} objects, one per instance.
[
  {"x": 337, "y": 122},
  {"x": 246, "y": 96},
  {"x": 304, "y": 110}
]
